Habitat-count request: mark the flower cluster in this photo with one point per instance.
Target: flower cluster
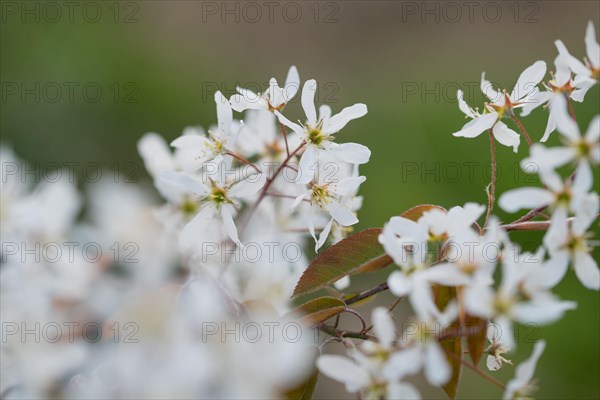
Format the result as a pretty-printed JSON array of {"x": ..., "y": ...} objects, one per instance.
[
  {"x": 464, "y": 279},
  {"x": 193, "y": 297}
]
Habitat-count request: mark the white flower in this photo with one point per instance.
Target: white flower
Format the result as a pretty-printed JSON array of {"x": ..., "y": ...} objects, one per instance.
[
  {"x": 566, "y": 244},
  {"x": 494, "y": 359},
  {"x": 586, "y": 75},
  {"x": 325, "y": 196},
  {"x": 318, "y": 133},
  {"x": 407, "y": 242},
  {"x": 577, "y": 147},
  {"x": 274, "y": 98},
  {"x": 501, "y": 105},
  {"x": 557, "y": 193},
  {"x": 421, "y": 349},
  {"x": 522, "y": 386},
  {"x": 158, "y": 157},
  {"x": 508, "y": 303},
  {"x": 209, "y": 196},
  {"x": 219, "y": 141},
  {"x": 556, "y": 89},
  {"x": 370, "y": 370}
]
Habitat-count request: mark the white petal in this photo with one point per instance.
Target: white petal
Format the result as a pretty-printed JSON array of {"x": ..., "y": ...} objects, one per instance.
[
  {"x": 247, "y": 100},
  {"x": 247, "y": 187},
  {"x": 541, "y": 312},
  {"x": 308, "y": 101},
  {"x": 229, "y": 225},
  {"x": 593, "y": 132},
  {"x": 586, "y": 270},
  {"x": 293, "y": 126},
  {"x": 463, "y": 106},
  {"x": 224, "y": 113},
  {"x": 292, "y": 84},
  {"x": 477, "y": 126},
  {"x": 492, "y": 363},
  {"x": 407, "y": 361},
  {"x": 543, "y": 158},
  {"x": 402, "y": 391},
  {"x": 342, "y": 215},
  {"x": 343, "y": 370},
  {"x": 528, "y": 80},
  {"x": 539, "y": 99},
  {"x": 196, "y": 228},
  {"x": 352, "y": 153},
  {"x": 527, "y": 197},
  {"x": 384, "y": 326},
  {"x": 189, "y": 142},
  {"x": 446, "y": 275},
  {"x": 586, "y": 211},
  {"x": 299, "y": 199},
  {"x": 506, "y": 136},
  {"x": 184, "y": 181},
  {"x": 584, "y": 179},
  {"x": 322, "y": 238},
  {"x": 489, "y": 91},
  {"x": 348, "y": 186},
  {"x": 399, "y": 284},
  {"x": 576, "y": 66},
  {"x": 556, "y": 236},
  {"x": 338, "y": 121},
  {"x": 308, "y": 165},
  {"x": 591, "y": 45},
  {"x": 437, "y": 370}
]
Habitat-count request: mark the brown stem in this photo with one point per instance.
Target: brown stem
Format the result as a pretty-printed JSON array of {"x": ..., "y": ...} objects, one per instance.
[
  {"x": 270, "y": 181},
  {"x": 492, "y": 190},
  {"x": 343, "y": 333},
  {"x": 523, "y": 130},
  {"x": 367, "y": 293},
  {"x": 287, "y": 147},
  {"x": 245, "y": 161},
  {"x": 570, "y": 104}
]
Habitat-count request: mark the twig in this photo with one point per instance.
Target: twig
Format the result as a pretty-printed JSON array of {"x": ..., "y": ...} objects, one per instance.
[
  {"x": 492, "y": 191},
  {"x": 287, "y": 147},
  {"x": 243, "y": 160},
  {"x": 367, "y": 293},
  {"x": 523, "y": 130}
]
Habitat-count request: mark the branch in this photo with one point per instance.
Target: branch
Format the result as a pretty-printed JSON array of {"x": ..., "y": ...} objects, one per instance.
[{"x": 367, "y": 293}]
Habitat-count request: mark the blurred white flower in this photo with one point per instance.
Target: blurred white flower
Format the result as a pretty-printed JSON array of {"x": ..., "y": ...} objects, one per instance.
[{"x": 522, "y": 386}]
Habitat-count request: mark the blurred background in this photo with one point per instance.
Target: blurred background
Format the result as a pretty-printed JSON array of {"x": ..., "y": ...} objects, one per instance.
[{"x": 81, "y": 84}]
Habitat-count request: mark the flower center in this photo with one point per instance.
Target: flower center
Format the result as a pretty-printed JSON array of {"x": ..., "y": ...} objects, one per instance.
[
  {"x": 189, "y": 206},
  {"x": 320, "y": 195},
  {"x": 315, "y": 136}
]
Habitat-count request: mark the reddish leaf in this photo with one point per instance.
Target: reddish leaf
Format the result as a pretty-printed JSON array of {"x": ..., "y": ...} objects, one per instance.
[
  {"x": 452, "y": 343},
  {"x": 417, "y": 211},
  {"x": 317, "y": 310},
  {"x": 359, "y": 252},
  {"x": 453, "y": 348},
  {"x": 477, "y": 329}
]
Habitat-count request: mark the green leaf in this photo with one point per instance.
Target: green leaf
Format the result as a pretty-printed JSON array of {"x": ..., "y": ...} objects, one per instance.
[
  {"x": 317, "y": 310},
  {"x": 477, "y": 336},
  {"x": 360, "y": 252}
]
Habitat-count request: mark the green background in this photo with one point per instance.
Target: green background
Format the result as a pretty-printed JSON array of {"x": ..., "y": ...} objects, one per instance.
[{"x": 166, "y": 59}]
